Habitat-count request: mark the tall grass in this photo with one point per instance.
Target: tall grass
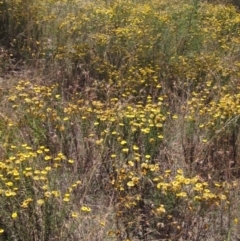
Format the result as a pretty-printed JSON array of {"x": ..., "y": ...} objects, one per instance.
[{"x": 119, "y": 120}]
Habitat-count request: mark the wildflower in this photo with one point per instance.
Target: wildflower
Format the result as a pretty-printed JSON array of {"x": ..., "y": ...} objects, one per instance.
[
  {"x": 130, "y": 184},
  {"x": 70, "y": 161},
  {"x": 161, "y": 209},
  {"x": 74, "y": 215},
  {"x": 151, "y": 140},
  {"x": 47, "y": 194},
  {"x": 55, "y": 193},
  {"x": 135, "y": 148},
  {"x": 187, "y": 181},
  {"x": 86, "y": 209},
  {"x": 181, "y": 194},
  {"x": 66, "y": 199},
  {"x": 217, "y": 185},
  {"x": 99, "y": 142},
  {"x": 123, "y": 142},
  {"x": 144, "y": 165},
  {"x": 14, "y": 215},
  {"x": 47, "y": 158},
  {"x": 39, "y": 151},
  {"x": 48, "y": 168},
  {"x": 36, "y": 178},
  {"x": 135, "y": 180},
  {"x": 198, "y": 187},
  {"x": 40, "y": 202},
  {"x": 26, "y": 202},
  {"x": 102, "y": 223},
  {"x": 179, "y": 171},
  {"x": 197, "y": 198},
  {"x": 9, "y": 184},
  {"x": 131, "y": 163},
  {"x": 222, "y": 197},
  {"x": 125, "y": 150},
  {"x": 9, "y": 193},
  {"x": 153, "y": 167}
]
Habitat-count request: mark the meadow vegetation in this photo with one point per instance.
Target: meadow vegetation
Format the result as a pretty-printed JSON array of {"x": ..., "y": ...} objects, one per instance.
[{"x": 119, "y": 120}]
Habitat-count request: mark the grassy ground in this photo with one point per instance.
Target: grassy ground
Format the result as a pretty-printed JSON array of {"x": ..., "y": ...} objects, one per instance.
[{"x": 119, "y": 120}]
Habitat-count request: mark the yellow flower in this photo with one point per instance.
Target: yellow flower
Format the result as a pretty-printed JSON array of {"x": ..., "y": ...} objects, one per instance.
[
  {"x": 222, "y": 197},
  {"x": 161, "y": 209},
  {"x": 235, "y": 220},
  {"x": 14, "y": 215},
  {"x": 85, "y": 209},
  {"x": 131, "y": 163},
  {"x": 9, "y": 184},
  {"x": 159, "y": 125},
  {"x": 55, "y": 193},
  {"x": 198, "y": 187},
  {"x": 180, "y": 171},
  {"x": 181, "y": 194},
  {"x": 135, "y": 148},
  {"x": 66, "y": 199},
  {"x": 153, "y": 167},
  {"x": 144, "y": 165},
  {"x": 123, "y": 142},
  {"x": 40, "y": 202},
  {"x": 197, "y": 198},
  {"x": 187, "y": 181},
  {"x": 208, "y": 195},
  {"x": 47, "y": 194},
  {"x": 131, "y": 184},
  {"x": 99, "y": 142},
  {"x": 135, "y": 180},
  {"x": 26, "y": 202},
  {"x": 125, "y": 150},
  {"x": 48, "y": 168},
  {"x": 74, "y": 215},
  {"x": 102, "y": 223},
  {"x": 47, "y": 158},
  {"x": 1, "y": 230},
  {"x": 10, "y": 193}
]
